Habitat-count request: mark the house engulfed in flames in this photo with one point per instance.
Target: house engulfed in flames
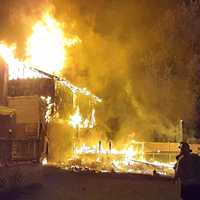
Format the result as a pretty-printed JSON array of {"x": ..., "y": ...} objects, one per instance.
[
  {"x": 28, "y": 102},
  {"x": 27, "y": 106},
  {"x": 27, "y": 93}
]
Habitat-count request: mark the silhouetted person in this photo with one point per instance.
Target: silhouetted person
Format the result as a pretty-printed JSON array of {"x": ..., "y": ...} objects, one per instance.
[
  {"x": 154, "y": 172},
  {"x": 187, "y": 171}
]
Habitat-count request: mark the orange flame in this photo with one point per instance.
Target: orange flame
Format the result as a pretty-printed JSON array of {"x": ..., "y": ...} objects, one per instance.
[
  {"x": 45, "y": 50},
  {"x": 76, "y": 120},
  {"x": 46, "y": 46}
]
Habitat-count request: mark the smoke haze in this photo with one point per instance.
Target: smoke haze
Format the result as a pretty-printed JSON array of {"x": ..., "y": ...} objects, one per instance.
[
  {"x": 133, "y": 55},
  {"x": 136, "y": 55}
]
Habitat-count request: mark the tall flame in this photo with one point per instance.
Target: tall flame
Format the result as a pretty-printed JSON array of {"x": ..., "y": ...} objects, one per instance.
[
  {"x": 45, "y": 49},
  {"x": 76, "y": 120},
  {"x": 46, "y": 46},
  {"x": 16, "y": 67}
]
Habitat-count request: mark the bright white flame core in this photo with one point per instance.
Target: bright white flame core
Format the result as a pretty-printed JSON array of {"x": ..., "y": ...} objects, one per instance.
[
  {"x": 76, "y": 120},
  {"x": 45, "y": 50},
  {"x": 44, "y": 161},
  {"x": 46, "y": 46}
]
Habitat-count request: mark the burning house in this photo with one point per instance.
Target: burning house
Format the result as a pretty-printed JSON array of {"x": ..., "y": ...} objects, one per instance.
[
  {"x": 30, "y": 105},
  {"x": 28, "y": 99},
  {"x": 29, "y": 102},
  {"x": 23, "y": 126},
  {"x": 28, "y": 92}
]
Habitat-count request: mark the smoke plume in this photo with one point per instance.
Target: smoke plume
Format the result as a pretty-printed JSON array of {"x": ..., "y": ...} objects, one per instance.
[
  {"x": 138, "y": 56},
  {"x": 16, "y": 20},
  {"x": 141, "y": 57}
]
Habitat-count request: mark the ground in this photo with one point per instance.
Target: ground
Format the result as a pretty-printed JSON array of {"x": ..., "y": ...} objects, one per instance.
[{"x": 51, "y": 183}]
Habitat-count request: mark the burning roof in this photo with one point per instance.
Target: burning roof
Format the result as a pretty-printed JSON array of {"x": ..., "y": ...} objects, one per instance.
[{"x": 46, "y": 54}]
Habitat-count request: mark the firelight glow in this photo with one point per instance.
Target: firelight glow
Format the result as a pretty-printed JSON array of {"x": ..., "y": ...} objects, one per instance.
[
  {"x": 46, "y": 47},
  {"x": 76, "y": 120}
]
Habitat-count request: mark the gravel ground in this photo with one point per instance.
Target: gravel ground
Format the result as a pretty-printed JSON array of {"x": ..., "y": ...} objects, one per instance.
[{"x": 51, "y": 183}]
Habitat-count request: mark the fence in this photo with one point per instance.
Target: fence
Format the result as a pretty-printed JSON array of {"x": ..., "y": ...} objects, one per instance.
[
  {"x": 19, "y": 150},
  {"x": 165, "y": 152},
  {"x": 160, "y": 151}
]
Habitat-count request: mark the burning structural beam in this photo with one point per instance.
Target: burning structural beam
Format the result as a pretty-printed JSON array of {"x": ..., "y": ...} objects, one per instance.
[
  {"x": 22, "y": 70},
  {"x": 68, "y": 84}
]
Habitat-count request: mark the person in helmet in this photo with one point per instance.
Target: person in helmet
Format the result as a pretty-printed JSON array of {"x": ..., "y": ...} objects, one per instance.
[{"x": 187, "y": 171}]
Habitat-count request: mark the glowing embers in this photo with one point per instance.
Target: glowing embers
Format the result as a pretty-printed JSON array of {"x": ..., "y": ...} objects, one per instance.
[
  {"x": 129, "y": 153},
  {"x": 76, "y": 120},
  {"x": 44, "y": 161},
  {"x": 48, "y": 107},
  {"x": 121, "y": 156},
  {"x": 129, "y": 159}
]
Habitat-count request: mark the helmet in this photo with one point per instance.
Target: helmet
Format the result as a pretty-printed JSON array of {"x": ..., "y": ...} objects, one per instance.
[{"x": 184, "y": 146}]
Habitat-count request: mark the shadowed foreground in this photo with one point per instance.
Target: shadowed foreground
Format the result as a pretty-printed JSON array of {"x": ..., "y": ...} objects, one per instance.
[{"x": 37, "y": 182}]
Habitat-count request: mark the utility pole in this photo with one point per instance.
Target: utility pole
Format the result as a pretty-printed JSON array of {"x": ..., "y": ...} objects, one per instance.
[{"x": 3, "y": 82}]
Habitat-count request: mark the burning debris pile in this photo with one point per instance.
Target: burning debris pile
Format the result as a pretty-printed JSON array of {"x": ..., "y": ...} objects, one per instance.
[{"x": 131, "y": 160}]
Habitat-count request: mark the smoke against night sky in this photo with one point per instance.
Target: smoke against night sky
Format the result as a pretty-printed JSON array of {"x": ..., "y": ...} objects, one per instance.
[{"x": 133, "y": 55}]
